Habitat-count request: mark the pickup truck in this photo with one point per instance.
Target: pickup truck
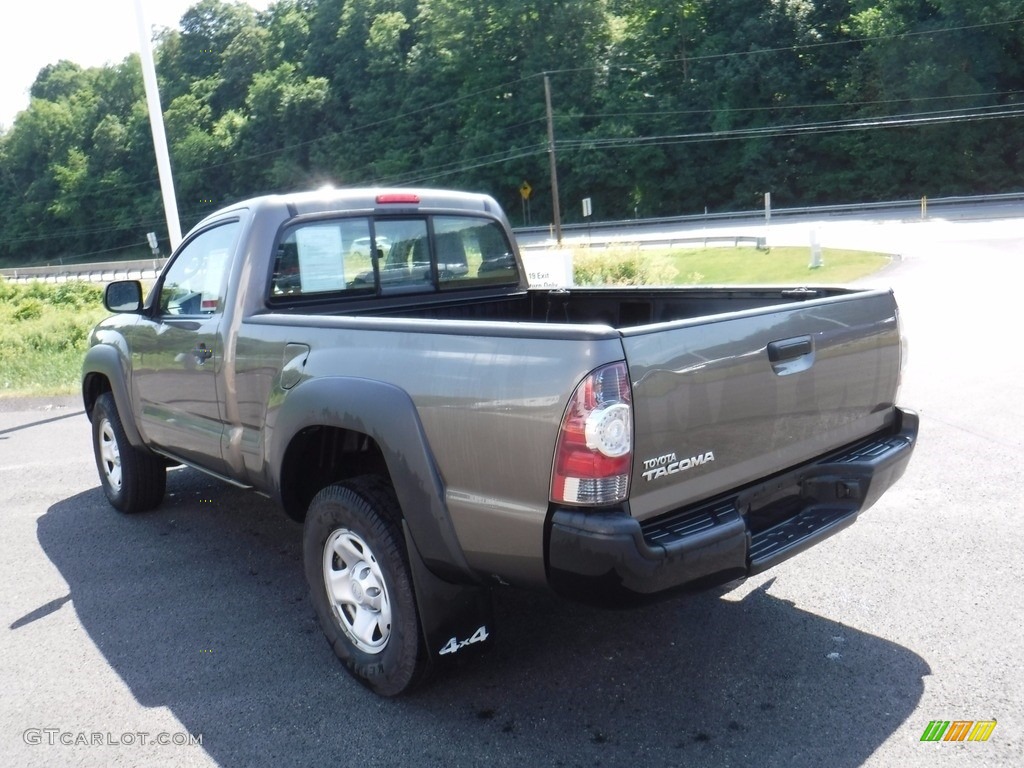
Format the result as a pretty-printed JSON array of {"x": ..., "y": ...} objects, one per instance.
[{"x": 376, "y": 362}]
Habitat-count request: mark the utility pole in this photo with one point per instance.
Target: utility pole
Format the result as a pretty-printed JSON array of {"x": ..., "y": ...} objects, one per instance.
[
  {"x": 556, "y": 208},
  {"x": 156, "y": 124}
]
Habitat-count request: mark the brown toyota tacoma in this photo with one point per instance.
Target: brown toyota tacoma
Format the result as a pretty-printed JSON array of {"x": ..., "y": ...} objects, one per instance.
[{"x": 376, "y": 362}]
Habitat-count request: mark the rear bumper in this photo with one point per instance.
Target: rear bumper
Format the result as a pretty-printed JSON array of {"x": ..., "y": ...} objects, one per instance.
[{"x": 607, "y": 557}]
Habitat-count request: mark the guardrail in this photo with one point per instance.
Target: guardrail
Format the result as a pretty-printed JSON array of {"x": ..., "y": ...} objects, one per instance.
[
  {"x": 844, "y": 209},
  {"x": 99, "y": 272},
  {"x": 149, "y": 269},
  {"x": 145, "y": 269},
  {"x": 734, "y": 240}
]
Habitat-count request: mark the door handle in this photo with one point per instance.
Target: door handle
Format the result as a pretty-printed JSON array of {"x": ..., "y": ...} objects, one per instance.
[
  {"x": 789, "y": 356},
  {"x": 788, "y": 349}
]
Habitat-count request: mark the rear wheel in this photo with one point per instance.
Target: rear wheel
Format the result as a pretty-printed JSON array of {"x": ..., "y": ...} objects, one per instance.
[
  {"x": 133, "y": 480},
  {"x": 360, "y": 584}
]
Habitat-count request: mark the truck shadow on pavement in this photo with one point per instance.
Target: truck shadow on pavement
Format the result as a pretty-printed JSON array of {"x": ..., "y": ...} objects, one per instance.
[{"x": 201, "y": 607}]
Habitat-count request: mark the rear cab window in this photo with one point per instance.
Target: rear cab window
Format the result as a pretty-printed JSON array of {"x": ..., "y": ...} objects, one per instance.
[{"x": 366, "y": 256}]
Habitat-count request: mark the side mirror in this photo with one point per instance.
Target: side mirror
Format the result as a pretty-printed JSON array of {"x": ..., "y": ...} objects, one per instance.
[{"x": 123, "y": 296}]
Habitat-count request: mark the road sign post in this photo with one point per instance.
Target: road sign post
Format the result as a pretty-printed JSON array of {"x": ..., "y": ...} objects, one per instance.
[{"x": 525, "y": 190}]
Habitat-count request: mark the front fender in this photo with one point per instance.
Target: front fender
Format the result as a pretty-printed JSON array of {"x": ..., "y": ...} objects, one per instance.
[
  {"x": 105, "y": 361},
  {"x": 388, "y": 415}
]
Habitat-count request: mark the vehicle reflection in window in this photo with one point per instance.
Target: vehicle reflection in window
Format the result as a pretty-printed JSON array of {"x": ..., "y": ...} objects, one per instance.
[
  {"x": 472, "y": 251},
  {"x": 405, "y": 266}
]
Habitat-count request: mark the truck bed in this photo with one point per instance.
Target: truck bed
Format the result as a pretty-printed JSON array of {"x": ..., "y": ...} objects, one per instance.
[
  {"x": 617, "y": 307},
  {"x": 756, "y": 379}
]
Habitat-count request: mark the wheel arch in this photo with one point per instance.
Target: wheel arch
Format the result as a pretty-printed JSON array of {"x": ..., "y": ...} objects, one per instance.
[
  {"x": 319, "y": 455},
  {"x": 358, "y": 426},
  {"x": 103, "y": 371}
]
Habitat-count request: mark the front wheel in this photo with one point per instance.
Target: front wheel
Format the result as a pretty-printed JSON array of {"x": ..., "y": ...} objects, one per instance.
[
  {"x": 133, "y": 480},
  {"x": 361, "y": 586}
]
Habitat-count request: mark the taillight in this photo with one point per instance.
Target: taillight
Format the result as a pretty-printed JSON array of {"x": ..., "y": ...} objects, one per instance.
[
  {"x": 594, "y": 453},
  {"x": 388, "y": 198}
]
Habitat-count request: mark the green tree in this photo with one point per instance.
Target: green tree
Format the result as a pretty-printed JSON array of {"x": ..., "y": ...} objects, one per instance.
[{"x": 659, "y": 107}]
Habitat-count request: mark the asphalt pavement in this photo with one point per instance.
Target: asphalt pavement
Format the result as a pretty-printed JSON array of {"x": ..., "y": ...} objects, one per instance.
[{"x": 190, "y": 625}]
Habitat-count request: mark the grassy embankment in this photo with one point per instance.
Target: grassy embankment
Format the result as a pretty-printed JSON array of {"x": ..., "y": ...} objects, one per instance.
[
  {"x": 43, "y": 334},
  {"x": 721, "y": 266},
  {"x": 44, "y": 328}
]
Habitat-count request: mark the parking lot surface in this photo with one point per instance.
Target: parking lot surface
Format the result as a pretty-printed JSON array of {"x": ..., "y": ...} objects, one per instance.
[{"x": 130, "y": 640}]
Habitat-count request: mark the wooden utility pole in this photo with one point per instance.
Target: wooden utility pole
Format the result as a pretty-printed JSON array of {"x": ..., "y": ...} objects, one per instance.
[{"x": 555, "y": 207}]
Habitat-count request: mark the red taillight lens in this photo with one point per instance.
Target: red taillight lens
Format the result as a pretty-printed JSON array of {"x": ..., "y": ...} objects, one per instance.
[
  {"x": 398, "y": 197},
  {"x": 594, "y": 453}
]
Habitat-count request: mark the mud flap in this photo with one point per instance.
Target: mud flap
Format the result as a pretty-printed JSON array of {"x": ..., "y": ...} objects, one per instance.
[{"x": 457, "y": 619}]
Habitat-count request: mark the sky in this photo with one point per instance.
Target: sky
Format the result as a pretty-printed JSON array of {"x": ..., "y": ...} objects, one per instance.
[{"x": 34, "y": 33}]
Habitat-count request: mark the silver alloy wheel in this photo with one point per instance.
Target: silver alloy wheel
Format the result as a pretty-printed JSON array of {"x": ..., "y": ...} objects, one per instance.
[
  {"x": 357, "y": 591},
  {"x": 110, "y": 455}
]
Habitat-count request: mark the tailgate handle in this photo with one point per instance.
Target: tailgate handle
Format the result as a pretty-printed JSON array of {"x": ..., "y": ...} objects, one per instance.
[
  {"x": 790, "y": 349},
  {"x": 790, "y": 356}
]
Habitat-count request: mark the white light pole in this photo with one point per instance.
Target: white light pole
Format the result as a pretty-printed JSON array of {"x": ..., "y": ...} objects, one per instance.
[{"x": 156, "y": 123}]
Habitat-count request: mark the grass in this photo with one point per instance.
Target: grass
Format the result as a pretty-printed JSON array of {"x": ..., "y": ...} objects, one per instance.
[
  {"x": 787, "y": 265},
  {"x": 629, "y": 265},
  {"x": 44, "y": 328}
]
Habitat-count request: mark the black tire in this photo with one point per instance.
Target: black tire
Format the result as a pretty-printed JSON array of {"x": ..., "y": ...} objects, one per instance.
[
  {"x": 352, "y": 541},
  {"x": 133, "y": 480}
]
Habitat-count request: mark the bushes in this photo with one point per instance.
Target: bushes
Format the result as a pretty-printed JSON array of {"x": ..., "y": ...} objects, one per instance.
[
  {"x": 28, "y": 309},
  {"x": 44, "y": 331},
  {"x": 71, "y": 295},
  {"x": 620, "y": 266}
]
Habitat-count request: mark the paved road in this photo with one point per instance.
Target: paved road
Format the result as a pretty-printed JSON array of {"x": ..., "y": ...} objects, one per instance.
[{"x": 193, "y": 619}]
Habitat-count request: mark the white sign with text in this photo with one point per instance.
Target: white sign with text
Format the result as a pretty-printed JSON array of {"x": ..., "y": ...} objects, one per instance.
[{"x": 548, "y": 269}]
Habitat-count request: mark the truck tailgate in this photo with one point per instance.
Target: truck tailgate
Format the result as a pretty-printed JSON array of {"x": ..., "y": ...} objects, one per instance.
[{"x": 723, "y": 401}]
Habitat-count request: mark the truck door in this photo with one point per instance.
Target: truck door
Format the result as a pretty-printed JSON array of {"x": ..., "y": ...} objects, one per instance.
[{"x": 178, "y": 350}]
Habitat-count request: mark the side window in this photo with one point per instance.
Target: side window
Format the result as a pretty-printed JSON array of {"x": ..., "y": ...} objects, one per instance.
[
  {"x": 472, "y": 251},
  {"x": 330, "y": 256},
  {"x": 194, "y": 283}
]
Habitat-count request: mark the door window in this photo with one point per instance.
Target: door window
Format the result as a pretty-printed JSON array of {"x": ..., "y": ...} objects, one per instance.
[{"x": 195, "y": 281}]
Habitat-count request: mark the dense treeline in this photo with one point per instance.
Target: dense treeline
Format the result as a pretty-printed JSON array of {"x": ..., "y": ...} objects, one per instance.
[{"x": 659, "y": 107}]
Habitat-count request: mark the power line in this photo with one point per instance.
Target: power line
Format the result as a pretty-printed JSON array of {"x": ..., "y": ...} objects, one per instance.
[
  {"x": 422, "y": 175},
  {"x": 824, "y": 127},
  {"x": 789, "y": 107},
  {"x": 80, "y": 231},
  {"x": 431, "y": 174},
  {"x": 788, "y": 48},
  {"x": 466, "y": 164}
]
